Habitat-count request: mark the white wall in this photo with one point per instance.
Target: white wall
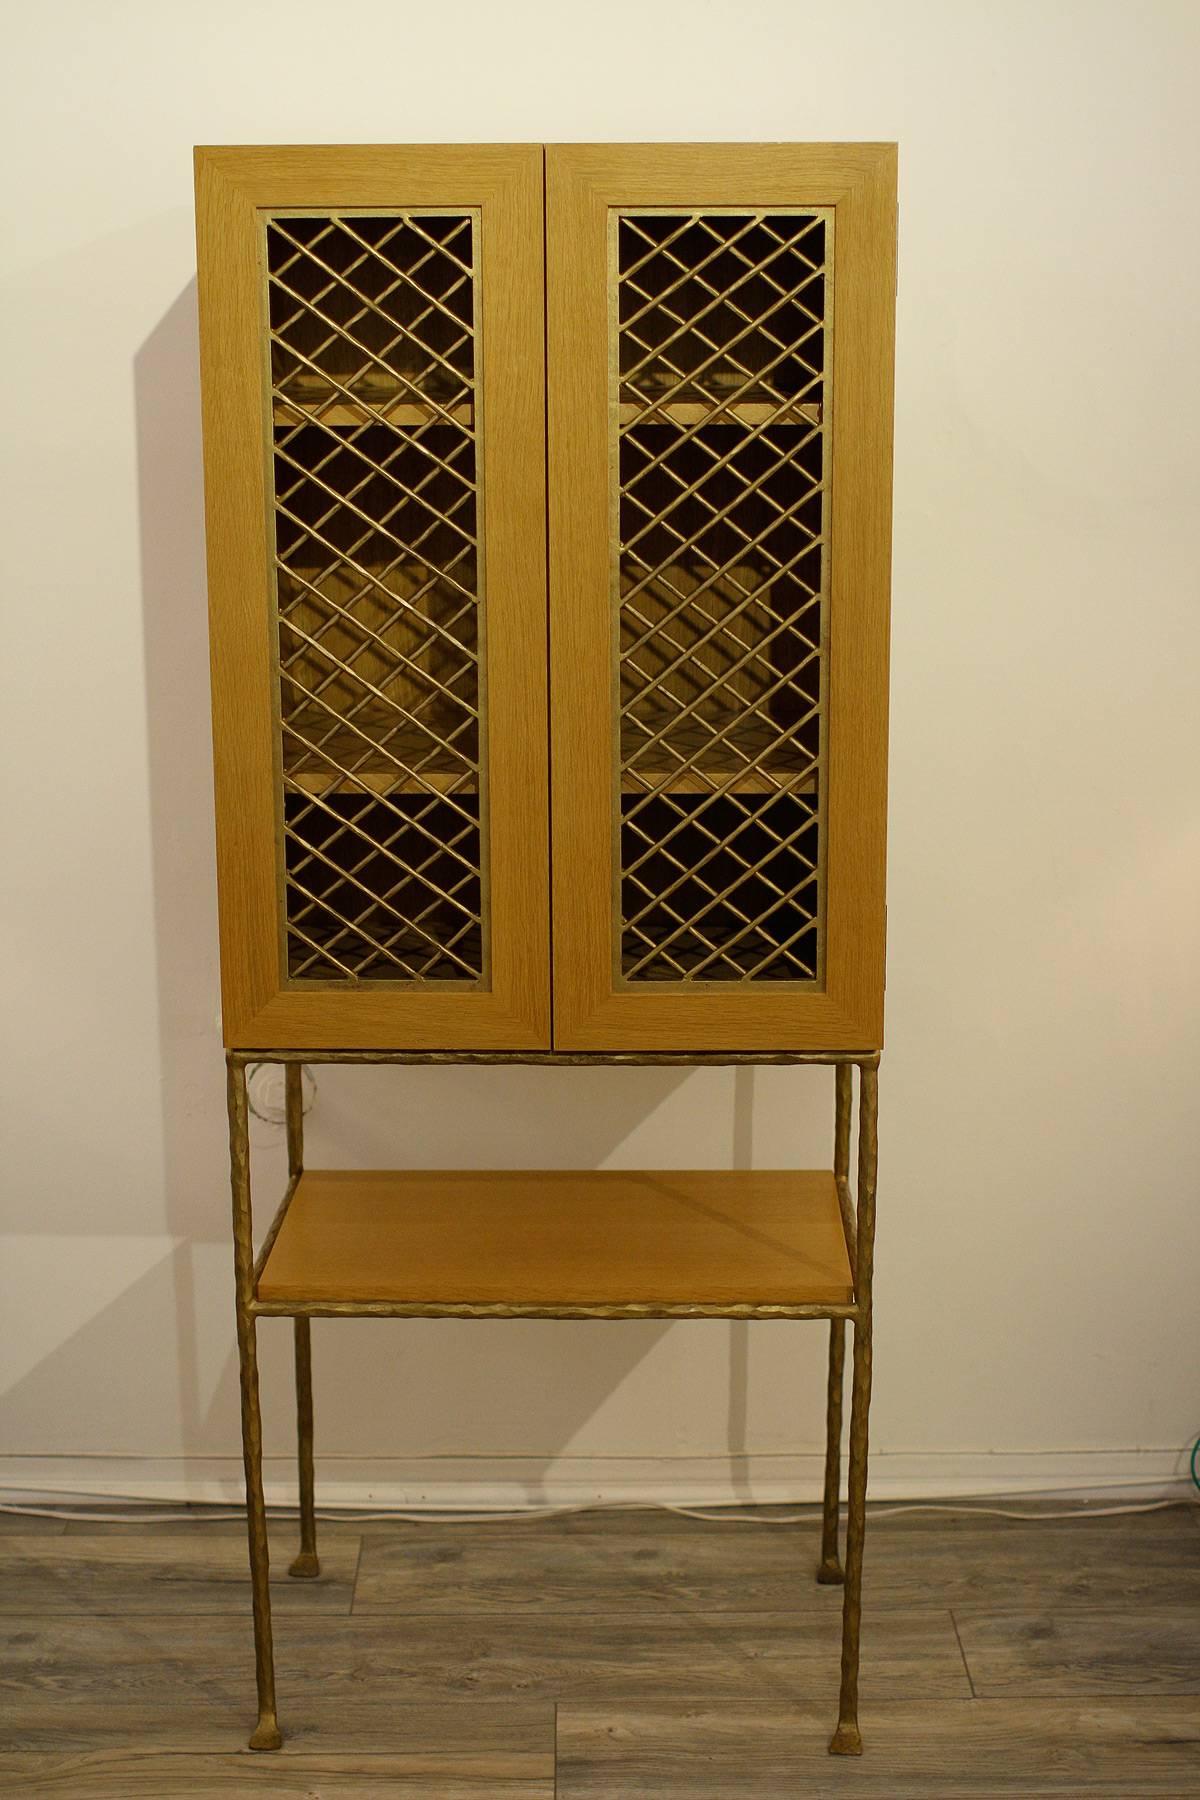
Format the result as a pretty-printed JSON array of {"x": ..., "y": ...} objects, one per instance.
[{"x": 1038, "y": 1244}]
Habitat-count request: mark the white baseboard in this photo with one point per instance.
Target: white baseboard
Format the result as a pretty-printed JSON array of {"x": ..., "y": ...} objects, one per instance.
[{"x": 497, "y": 1483}]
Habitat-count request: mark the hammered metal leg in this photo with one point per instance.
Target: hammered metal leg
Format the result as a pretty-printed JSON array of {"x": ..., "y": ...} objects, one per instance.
[
  {"x": 830, "y": 1572},
  {"x": 847, "y": 1739},
  {"x": 266, "y": 1734},
  {"x": 306, "y": 1564}
]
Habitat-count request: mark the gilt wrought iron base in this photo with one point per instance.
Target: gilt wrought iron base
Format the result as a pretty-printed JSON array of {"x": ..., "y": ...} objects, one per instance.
[{"x": 858, "y": 1214}]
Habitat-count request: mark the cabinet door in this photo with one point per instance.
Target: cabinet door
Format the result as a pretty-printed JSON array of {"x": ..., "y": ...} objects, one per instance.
[
  {"x": 372, "y": 352},
  {"x": 720, "y": 367}
]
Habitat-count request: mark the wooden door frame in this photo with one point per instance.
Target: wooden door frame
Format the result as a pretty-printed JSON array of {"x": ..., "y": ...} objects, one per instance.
[
  {"x": 261, "y": 1008},
  {"x": 583, "y": 182}
]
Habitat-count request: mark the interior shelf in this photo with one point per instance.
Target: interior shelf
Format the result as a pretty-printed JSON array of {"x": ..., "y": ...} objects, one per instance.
[
  {"x": 377, "y": 750},
  {"x": 415, "y": 770},
  {"x": 741, "y": 412},
  {"x": 385, "y": 411},
  {"x": 697, "y": 756},
  {"x": 665, "y": 1243},
  {"x": 688, "y": 760}
]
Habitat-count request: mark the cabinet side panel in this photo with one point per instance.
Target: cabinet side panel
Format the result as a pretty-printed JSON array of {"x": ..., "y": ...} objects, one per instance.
[
  {"x": 239, "y": 611},
  {"x": 860, "y": 530}
]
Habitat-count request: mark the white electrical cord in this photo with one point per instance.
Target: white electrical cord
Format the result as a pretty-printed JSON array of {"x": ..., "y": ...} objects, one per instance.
[{"x": 203, "y": 1515}]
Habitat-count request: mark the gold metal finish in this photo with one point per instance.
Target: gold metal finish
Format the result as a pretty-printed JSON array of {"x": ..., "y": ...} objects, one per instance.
[
  {"x": 847, "y": 1739},
  {"x": 830, "y": 1572},
  {"x": 572, "y": 1059},
  {"x": 374, "y": 423},
  {"x": 860, "y": 1242},
  {"x": 260, "y": 1261},
  {"x": 841, "y": 1152},
  {"x": 718, "y": 380},
  {"x": 388, "y": 1309},
  {"x": 306, "y": 1564},
  {"x": 266, "y": 1735},
  {"x": 843, "y": 1107},
  {"x": 293, "y": 1098}
]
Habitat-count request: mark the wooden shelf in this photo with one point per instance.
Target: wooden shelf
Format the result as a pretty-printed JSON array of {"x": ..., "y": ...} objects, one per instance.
[
  {"x": 375, "y": 412},
  {"x": 381, "y": 777},
  {"x": 711, "y": 768},
  {"x": 664, "y": 1244},
  {"x": 414, "y": 412},
  {"x": 414, "y": 761},
  {"x": 712, "y": 761},
  {"x": 740, "y": 412}
]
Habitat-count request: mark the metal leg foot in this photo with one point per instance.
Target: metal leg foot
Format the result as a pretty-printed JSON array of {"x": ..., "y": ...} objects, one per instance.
[
  {"x": 846, "y": 1741},
  {"x": 266, "y": 1734}
]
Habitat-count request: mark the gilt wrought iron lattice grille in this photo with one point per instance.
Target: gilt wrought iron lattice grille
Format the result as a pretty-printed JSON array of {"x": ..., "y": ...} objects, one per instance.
[
  {"x": 719, "y": 350},
  {"x": 375, "y": 419}
]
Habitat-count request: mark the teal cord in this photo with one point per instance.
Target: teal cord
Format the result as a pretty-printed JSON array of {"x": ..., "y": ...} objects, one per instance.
[{"x": 1195, "y": 1455}]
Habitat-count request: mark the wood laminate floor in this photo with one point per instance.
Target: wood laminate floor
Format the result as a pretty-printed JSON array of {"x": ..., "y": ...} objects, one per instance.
[{"x": 605, "y": 1656}]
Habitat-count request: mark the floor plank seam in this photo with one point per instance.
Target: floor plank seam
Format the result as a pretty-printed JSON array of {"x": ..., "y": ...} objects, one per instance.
[
  {"x": 963, "y": 1654},
  {"x": 354, "y": 1579}
]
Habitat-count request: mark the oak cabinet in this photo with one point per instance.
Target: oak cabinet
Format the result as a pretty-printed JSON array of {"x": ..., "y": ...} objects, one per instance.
[
  {"x": 548, "y": 497},
  {"x": 548, "y": 545}
]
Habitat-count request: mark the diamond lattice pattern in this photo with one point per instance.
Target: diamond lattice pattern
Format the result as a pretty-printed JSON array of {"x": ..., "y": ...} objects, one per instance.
[
  {"x": 373, "y": 396},
  {"x": 721, "y": 328}
]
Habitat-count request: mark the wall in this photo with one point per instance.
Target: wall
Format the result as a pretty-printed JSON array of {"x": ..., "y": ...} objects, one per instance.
[{"x": 1038, "y": 1238}]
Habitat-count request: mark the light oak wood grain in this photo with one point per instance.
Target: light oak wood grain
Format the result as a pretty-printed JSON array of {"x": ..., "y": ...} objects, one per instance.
[
  {"x": 583, "y": 182},
  {"x": 144, "y": 1573},
  {"x": 946, "y": 1750},
  {"x": 547, "y": 1238},
  {"x": 1075, "y": 1651}
]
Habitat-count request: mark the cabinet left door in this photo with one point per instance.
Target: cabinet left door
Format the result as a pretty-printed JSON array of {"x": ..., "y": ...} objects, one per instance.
[{"x": 373, "y": 379}]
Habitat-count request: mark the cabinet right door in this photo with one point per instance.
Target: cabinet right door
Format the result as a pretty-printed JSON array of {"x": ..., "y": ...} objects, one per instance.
[{"x": 720, "y": 331}]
